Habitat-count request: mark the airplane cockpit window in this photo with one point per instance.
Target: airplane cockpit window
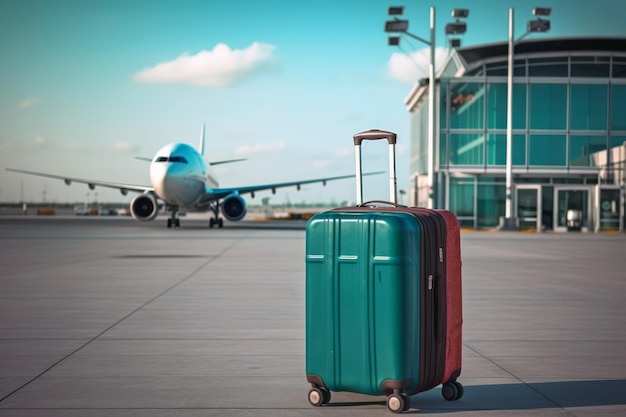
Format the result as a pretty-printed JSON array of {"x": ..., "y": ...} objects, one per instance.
[{"x": 180, "y": 159}]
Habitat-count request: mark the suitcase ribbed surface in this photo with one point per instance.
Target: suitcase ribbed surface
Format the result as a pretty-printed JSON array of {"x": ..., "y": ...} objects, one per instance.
[{"x": 363, "y": 300}]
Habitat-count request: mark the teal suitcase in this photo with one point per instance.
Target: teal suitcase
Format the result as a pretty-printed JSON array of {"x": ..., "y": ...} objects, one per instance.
[
  {"x": 376, "y": 300},
  {"x": 362, "y": 306}
]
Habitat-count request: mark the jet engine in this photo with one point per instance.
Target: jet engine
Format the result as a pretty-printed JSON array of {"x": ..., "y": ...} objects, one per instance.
[
  {"x": 144, "y": 207},
  {"x": 234, "y": 207}
]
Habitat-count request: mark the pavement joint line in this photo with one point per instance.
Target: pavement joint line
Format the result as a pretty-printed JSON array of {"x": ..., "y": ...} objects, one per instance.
[
  {"x": 339, "y": 405},
  {"x": 63, "y": 359},
  {"x": 519, "y": 379}
]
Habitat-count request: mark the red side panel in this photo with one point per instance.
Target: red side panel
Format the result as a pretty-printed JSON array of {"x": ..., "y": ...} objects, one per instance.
[{"x": 454, "y": 323}]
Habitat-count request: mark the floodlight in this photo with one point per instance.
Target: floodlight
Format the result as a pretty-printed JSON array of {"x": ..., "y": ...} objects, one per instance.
[
  {"x": 460, "y": 13},
  {"x": 456, "y": 28},
  {"x": 539, "y": 25},
  {"x": 396, "y": 25},
  {"x": 542, "y": 11},
  {"x": 394, "y": 41},
  {"x": 396, "y": 10},
  {"x": 455, "y": 43}
]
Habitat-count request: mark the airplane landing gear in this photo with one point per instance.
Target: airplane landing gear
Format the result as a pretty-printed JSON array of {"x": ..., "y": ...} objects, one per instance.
[
  {"x": 216, "y": 220},
  {"x": 175, "y": 223},
  {"x": 173, "y": 220}
]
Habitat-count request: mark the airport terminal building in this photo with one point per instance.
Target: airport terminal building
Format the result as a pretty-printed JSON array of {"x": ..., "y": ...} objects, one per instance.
[{"x": 568, "y": 134}]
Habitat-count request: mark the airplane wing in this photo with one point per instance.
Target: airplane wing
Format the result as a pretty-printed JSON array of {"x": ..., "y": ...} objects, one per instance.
[
  {"x": 223, "y": 192},
  {"x": 124, "y": 188},
  {"x": 228, "y": 161}
]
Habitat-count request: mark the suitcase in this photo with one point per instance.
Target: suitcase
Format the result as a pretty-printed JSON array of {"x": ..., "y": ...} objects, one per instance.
[{"x": 383, "y": 297}]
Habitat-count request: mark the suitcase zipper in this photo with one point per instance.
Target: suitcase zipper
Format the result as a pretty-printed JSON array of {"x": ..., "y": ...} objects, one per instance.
[
  {"x": 434, "y": 343},
  {"x": 430, "y": 312},
  {"x": 441, "y": 305}
]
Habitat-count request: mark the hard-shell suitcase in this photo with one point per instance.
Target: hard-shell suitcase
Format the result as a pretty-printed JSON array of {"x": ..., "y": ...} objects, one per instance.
[{"x": 383, "y": 298}]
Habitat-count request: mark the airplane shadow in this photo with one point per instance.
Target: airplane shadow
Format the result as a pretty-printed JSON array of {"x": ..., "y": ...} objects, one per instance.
[
  {"x": 531, "y": 396},
  {"x": 246, "y": 225}
]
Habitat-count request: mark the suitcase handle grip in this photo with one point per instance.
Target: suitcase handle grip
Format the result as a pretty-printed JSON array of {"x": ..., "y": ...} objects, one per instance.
[
  {"x": 390, "y": 203},
  {"x": 375, "y": 134}
]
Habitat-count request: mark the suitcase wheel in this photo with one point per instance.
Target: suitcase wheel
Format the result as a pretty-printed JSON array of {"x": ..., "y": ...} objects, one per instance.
[
  {"x": 398, "y": 402},
  {"x": 452, "y": 390},
  {"x": 319, "y": 396}
]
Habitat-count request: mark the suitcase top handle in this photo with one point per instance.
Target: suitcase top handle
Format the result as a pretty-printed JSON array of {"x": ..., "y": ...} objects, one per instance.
[
  {"x": 375, "y": 203},
  {"x": 375, "y": 134}
]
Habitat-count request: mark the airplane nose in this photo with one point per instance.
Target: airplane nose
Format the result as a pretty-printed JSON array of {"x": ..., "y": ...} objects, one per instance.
[
  {"x": 157, "y": 173},
  {"x": 168, "y": 181},
  {"x": 171, "y": 178},
  {"x": 160, "y": 178}
]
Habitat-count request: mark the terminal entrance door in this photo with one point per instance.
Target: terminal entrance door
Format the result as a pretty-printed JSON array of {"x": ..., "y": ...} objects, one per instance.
[
  {"x": 571, "y": 199},
  {"x": 610, "y": 211},
  {"x": 529, "y": 207}
]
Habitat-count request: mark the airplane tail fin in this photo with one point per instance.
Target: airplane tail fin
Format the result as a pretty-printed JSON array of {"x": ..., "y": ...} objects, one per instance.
[{"x": 201, "y": 146}]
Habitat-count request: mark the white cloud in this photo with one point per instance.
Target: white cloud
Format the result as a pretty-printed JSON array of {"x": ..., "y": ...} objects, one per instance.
[
  {"x": 76, "y": 147},
  {"x": 85, "y": 147},
  {"x": 30, "y": 102},
  {"x": 322, "y": 164},
  {"x": 124, "y": 147},
  {"x": 344, "y": 152},
  {"x": 260, "y": 148},
  {"x": 338, "y": 157},
  {"x": 411, "y": 67},
  {"x": 39, "y": 141},
  {"x": 217, "y": 68}
]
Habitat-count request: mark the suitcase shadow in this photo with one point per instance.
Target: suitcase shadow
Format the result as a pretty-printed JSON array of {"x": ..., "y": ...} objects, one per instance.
[
  {"x": 529, "y": 396},
  {"x": 517, "y": 396}
]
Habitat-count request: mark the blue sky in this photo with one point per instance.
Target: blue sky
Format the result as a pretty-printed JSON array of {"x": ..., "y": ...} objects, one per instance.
[{"x": 88, "y": 85}]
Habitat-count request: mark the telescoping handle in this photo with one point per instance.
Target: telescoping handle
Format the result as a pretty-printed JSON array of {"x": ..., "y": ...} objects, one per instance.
[{"x": 375, "y": 134}]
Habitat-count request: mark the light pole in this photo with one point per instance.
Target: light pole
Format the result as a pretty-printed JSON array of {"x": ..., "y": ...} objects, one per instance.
[
  {"x": 401, "y": 26},
  {"x": 538, "y": 25}
]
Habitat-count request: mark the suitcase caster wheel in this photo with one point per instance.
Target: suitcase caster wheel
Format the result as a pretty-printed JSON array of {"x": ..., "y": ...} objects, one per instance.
[
  {"x": 397, "y": 403},
  {"x": 319, "y": 396},
  {"x": 460, "y": 388},
  {"x": 326, "y": 394},
  {"x": 452, "y": 391}
]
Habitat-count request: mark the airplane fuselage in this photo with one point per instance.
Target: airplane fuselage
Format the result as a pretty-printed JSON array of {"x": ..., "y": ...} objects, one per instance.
[{"x": 181, "y": 177}]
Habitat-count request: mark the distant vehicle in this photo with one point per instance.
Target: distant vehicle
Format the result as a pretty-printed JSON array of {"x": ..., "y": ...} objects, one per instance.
[
  {"x": 181, "y": 179},
  {"x": 86, "y": 210},
  {"x": 81, "y": 209}
]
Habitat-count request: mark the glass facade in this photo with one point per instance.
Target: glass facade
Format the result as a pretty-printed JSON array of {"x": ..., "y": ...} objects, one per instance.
[
  {"x": 547, "y": 150},
  {"x": 491, "y": 201},
  {"x": 588, "y": 104},
  {"x": 548, "y": 106},
  {"x": 462, "y": 200},
  {"x": 568, "y": 127}
]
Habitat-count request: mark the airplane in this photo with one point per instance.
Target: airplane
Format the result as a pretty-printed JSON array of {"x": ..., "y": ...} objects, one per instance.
[{"x": 182, "y": 180}]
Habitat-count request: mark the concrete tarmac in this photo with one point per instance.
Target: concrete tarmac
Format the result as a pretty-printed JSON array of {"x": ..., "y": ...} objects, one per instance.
[{"x": 111, "y": 317}]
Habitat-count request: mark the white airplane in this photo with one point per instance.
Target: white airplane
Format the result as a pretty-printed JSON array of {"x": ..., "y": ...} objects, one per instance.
[{"x": 182, "y": 180}]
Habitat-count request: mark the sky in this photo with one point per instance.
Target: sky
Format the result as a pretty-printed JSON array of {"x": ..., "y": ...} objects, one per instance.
[{"x": 88, "y": 85}]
